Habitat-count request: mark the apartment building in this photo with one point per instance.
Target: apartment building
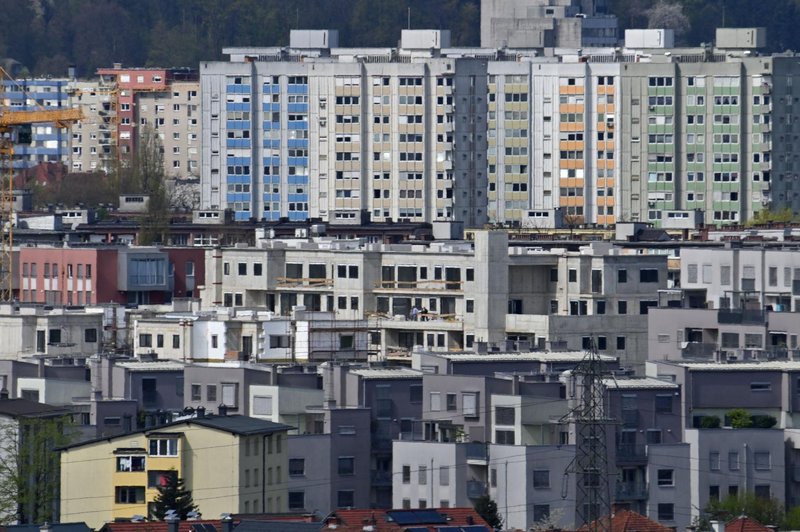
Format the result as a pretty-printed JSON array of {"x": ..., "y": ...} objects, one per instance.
[
  {"x": 65, "y": 334},
  {"x": 316, "y": 131},
  {"x": 92, "y": 146},
  {"x": 89, "y": 275},
  {"x": 116, "y": 477},
  {"x": 505, "y": 134},
  {"x": 480, "y": 291},
  {"x": 174, "y": 114},
  {"x": 251, "y": 335},
  {"x": 42, "y": 143}
]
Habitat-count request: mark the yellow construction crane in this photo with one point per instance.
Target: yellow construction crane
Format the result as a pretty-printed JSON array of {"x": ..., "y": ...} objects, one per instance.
[{"x": 10, "y": 120}]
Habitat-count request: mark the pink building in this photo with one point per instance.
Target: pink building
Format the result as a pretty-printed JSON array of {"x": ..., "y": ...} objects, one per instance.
[{"x": 108, "y": 274}]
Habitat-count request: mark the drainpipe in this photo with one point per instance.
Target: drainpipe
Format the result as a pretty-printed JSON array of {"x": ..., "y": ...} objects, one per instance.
[{"x": 264, "y": 473}]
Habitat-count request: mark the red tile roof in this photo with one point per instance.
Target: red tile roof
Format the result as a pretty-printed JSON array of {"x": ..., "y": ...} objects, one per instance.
[
  {"x": 628, "y": 521},
  {"x": 156, "y": 526},
  {"x": 356, "y": 520},
  {"x": 745, "y": 524}
]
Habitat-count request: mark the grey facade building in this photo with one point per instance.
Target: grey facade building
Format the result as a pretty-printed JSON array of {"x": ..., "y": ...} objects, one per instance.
[{"x": 546, "y": 24}]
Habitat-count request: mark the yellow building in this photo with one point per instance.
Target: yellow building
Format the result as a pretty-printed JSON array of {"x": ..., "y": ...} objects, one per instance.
[{"x": 232, "y": 464}]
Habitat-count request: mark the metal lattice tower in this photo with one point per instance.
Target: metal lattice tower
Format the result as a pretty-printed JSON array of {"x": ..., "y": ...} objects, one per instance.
[{"x": 591, "y": 465}]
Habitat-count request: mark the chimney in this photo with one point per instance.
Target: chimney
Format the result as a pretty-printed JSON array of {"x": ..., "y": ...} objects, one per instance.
[
  {"x": 173, "y": 523},
  {"x": 717, "y": 526},
  {"x": 222, "y": 410},
  {"x": 201, "y": 411},
  {"x": 4, "y": 390},
  {"x": 227, "y": 523},
  {"x": 40, "y": 368}
]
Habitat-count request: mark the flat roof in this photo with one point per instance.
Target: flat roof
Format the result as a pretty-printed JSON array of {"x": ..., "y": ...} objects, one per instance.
[
  {"x": 639, "y": 384},
  {"x": 161, "y": 365},
  {"x": 387, "y": 373},
  {"x": 773, "y": 365},
  {"x": 531, "y": 356}
]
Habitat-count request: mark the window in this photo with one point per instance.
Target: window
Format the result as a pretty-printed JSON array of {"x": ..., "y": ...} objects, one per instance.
[
  {"x": 345, "y": 499},
  {"x": 622, "y": 307},
  {"x": 297, "y": 500},
  {"x": 622, "y": 276},
  {"x": 436, "y": 402},
  {"x": 211, "y": 392},
  {"x": 90, "y": 336},
  {"x": 214, "y": 341},
  {"x": 620, "y": 343},
  {"x": 452, "y": 402},
  {"x": 444, "y": 476},
  {"x": 229, "y": 394},
  {"x": 129, "y": 495},
  {"x": 762, "y": 460},
  {"x": 648, "y": 276},
  {"x": 760, "y": 386},
  {"x": 666, "y": 477},
  {"x": 406, "y": 474},
  {"x": 505, "y": 415},
  {"x": 415, "y": 393},
  {"x": 663, "y": 404},
  {"x": 164, "y": 447},
  {"x": 422, "y": 475},
  {"x": 347, "y": 465},
  {"x": 763, "y": 491},
  {"x": 297, "y": 467},
  {"x": 196, "y": 392},
  {"x": 130, "y": 463},
  {"x": 157, "y": 478},
  {"x": 573, "y": 275},
  {"x": 541, "y": 479},
  {"x": 258, "y": 269},
  {"x": 262, "y": 405},
  {"x": 145, "y": 339},
  {"x": 470, "y": 404},
  {"x": 713, "y": 461},
  {"x": 666, "y": 512},
  {"x": 541, "y": 512},
  {"x": 733, "y": 461}
]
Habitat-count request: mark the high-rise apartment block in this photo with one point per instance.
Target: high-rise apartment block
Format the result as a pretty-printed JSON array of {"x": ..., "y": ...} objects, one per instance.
[
  {"x": 320, "y": 131},
  {"x": 427, "y": 132}
]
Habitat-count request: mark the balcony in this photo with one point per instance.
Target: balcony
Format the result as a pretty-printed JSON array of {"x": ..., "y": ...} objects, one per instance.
[
  {"x": 631, "y": 491},
  {"x": 698, "y": 350},
  {"x": 631, "y": 453},
  {"x": 476, "y": 489},
  {"x": 476, "y": 453},
  {"x": 381, "y": 478},
  {"x": 741, "y": 316}
]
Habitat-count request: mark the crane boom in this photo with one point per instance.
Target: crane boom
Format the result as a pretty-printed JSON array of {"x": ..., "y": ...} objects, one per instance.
[{"x": 62, "y": 117}]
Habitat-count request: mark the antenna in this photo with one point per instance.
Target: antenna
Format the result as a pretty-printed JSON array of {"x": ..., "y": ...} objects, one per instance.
[
  {"x": 590, "y": 465},
  {"x": 409, "y": 18}
]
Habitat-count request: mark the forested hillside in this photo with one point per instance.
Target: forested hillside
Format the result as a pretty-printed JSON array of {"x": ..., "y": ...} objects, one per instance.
[{"x": 48, "y": 35}]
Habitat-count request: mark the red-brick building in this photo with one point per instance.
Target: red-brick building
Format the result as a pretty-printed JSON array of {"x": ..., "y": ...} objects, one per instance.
[{"x": 108, "y": 274}]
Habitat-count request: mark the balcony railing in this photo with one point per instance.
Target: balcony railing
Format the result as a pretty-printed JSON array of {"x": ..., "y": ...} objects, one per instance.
[
  {"x": 476, "y": 451},
  {"x": 737, "y": 316},
  {"x": 631, "y": 452},
  {"x": 699, "y": 350},
  {"x": 631, "y": 491}
]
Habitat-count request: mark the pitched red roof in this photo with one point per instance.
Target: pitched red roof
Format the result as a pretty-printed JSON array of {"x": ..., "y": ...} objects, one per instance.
[
  {"x": 380, "y": 520},
  {"x": 157, "y": 526},
  {"x": 628, "y": 521},
  {"x": 745, "y": 524}
]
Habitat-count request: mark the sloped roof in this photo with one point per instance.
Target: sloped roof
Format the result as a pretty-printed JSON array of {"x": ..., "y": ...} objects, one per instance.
[
  {"x": 234, "y": 424},
  {"x": 628, "y": 521},
  {"x": 745, "y": 524},
  {"x": 387, "y": 520},
  {"x": 278, "y": 526},
  {"x": 26, "y": 408},
  {"x": 55, "y": 527}
]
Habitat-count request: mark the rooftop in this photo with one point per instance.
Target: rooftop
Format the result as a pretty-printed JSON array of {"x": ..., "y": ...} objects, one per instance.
[
  {"x": 161, "y": 365},
  {"x": 532, "y": 356},
  {"x": 26, "y": 408},
  {"x": 639, "y": 384},
  {"x": 773, "y": 365},
  {"x": 387, "y": 373}
]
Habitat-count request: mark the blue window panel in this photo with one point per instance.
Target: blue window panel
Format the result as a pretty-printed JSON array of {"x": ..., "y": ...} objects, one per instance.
[
  {"x": 297, "y": 197},
  {"x": 297, "y": 107},
  {"x": 241, "y": 216},
  {"x": 271, "y": 125},
  {"x": 298, "y": 215},
  {"x": 297, "y": 125},
  {"x": 271, "y": 215},
  {"x": 298, "y": 143},
  {"x": 297, "y": 89},
  {"x": 272, "y": 143},
  {"x": 271, "y": 89},
  {"x": 237, "y": 124}
]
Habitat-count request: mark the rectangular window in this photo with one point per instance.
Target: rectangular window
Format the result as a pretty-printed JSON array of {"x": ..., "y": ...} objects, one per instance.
[
  {"x": 452, "y": 402},
  {"x": 130, "y": 463},
  {"x": 211, "y": 393},
  {"x": 444, "y": 476},
  {"x": 129, "y": 495},
  {"x": 197, "y": 392},
  {"x": 229, "y": 394},
  {"x": 664, "y": 404},
  {"x": 733, "y": 461},
  {"x": 713, "y": 461},
  {"x": 647, "y": 275},
  {"x": 297, "y": 500},
  {"x": 541, "y": 479},
  {"x": 164, "y": 447},
  {"x": 297, "y": 467},
  {"x": 262, "y": 405},
  {"x": 90, "y": 336},
  {"x": 406, "y": 474},
  {"x": 505, "y": 415},
  {"x": 666, "y": 512},
  {"x": 666, "y": 477},
  {"x": 762, "y": 460},
  {"x": 347, "y": 465},
  {"x": 436, "y": 401},
  {"x": 470, "y": 404}
]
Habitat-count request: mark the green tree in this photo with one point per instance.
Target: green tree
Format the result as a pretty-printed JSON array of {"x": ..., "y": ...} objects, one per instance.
[
  {"x": 765, "y": 511},
  {"x": 740, "y": 418},
  {"x": 710, "y": 422},
  {"x": 143, "y": 173},
  {"x": 173, "y": 495},
  {"x": 487, "y": 508},
  {"x": 29, "y": 467}
]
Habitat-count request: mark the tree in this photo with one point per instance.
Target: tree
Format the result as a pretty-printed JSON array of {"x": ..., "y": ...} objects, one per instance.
[
  {"x": 487, "y": 509},
  {"x": 144, "y": 174},
  {"x": 29, "y": 468},
  {"x": 710, "y": 422},
  {"x": 765, "y": 511},
  {"x": 173, "y": 495},
  {"x": 665, "y": 15},
  {"x": 740, "y": 418}
]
